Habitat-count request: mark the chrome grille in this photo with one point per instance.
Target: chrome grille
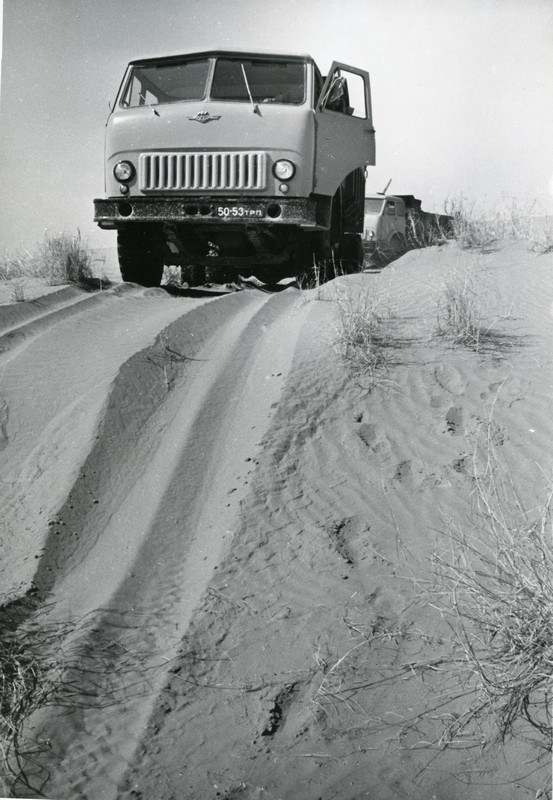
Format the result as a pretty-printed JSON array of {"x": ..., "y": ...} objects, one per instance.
[{"x": 202, "y": 171}]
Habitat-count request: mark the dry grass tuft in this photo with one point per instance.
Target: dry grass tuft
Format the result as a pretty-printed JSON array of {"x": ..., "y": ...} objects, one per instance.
[
  {"x": 317, "y": 275},
  {"x": 62, "y": 664},
  {"x": 474, "y": 228},
  {"x": 494, "y": 588},
  {"x": 17, "y": 290},
  {"x": 477, "y": 228},
  {"x": 16, "y": 265},
  {"x": 30, "y": 673},
  {"x": 65, "y": 258},
  {"x": 363, "y": 338},
  {"x": 540, "y": 236},
  {"x": 459, "y": 316},
  {"x": 60, "y": 259}
]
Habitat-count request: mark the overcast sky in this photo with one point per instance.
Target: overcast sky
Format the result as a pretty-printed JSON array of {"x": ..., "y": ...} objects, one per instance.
[{"x": 461, "y": 92}]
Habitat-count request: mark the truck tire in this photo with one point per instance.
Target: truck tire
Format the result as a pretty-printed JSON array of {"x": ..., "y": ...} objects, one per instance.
[
  {"x": 352, "y": 255},
  {"x": 323, "y": 256},
  {"x": 313, "y": 257},
  {"x": 140, "y": 257}
]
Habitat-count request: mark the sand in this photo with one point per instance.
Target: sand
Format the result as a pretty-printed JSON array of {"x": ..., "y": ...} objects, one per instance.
[{"x": 240, "y": 532}]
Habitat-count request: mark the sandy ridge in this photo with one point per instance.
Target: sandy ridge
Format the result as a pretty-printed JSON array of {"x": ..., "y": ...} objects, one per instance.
[
  {"x": 57, "y": 379},
  {"x": 150, "y": 535},
  {"x": 17, "y": 314}
]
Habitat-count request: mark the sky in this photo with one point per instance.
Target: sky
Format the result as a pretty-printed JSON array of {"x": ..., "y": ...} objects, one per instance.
[{"x": 461, "y": 92}]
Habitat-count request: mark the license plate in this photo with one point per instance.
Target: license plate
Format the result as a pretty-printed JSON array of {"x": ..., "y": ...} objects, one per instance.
[{"x": 240, "y": 212}]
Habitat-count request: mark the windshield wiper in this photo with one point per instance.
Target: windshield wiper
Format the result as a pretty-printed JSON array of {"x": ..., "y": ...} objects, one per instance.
[
  {"x": 255, "y": 106},
  {"x": 149, "y": 104}
]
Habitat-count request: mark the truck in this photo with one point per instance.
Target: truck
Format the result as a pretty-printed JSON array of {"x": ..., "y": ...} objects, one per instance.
[
  {"x": 396, "y": 223},
  {"x": 228, "y": 162}
]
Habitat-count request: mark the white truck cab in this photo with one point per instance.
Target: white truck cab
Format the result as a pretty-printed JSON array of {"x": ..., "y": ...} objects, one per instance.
[
  {"x": 228, "y": 161},
  {"x": 384, "y": 221},
  {"x": 394, "y": 223}
]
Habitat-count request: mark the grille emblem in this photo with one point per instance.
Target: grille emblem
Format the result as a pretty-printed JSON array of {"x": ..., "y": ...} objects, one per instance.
[{"x": 203, "y": 116}]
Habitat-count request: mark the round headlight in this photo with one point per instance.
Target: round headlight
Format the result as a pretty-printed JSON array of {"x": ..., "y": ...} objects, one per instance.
[
  {"x": 284, "y": 170},
  {"x": 123, "y": 171}
]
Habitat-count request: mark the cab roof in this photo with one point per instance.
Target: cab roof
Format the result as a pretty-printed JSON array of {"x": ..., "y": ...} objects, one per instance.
[{"x": 226, "y": 54}]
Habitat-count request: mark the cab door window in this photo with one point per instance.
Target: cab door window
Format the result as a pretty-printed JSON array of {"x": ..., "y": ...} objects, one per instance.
[{"x": 346, "y": 94}]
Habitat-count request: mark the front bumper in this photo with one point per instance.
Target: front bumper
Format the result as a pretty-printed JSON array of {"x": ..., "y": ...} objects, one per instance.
[{"x": 312, "y": 213}]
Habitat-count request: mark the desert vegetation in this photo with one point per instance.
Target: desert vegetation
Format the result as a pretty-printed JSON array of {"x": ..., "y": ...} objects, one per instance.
[
  {"x": 475, "y": 227},
  {"x": 58, "y": 260},
  {"x": 493, "y": 584},
  {"x": 65, "y": 664},
  {"x": 461, "y": 318},
  {"x": 363, "y": 337}
]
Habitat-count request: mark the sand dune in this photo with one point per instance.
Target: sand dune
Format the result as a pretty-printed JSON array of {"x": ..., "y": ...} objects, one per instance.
[{"x": 244, "y": 530}]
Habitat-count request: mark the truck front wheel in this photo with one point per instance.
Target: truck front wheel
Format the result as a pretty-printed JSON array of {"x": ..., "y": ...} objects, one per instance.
[
  {"x": 140, "y": 256},
  {"x": 322, "y": 256},
  {"x": 352, "y": 254}
]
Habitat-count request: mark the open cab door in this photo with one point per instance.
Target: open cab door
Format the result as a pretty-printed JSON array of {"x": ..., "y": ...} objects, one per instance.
[{"x": 344, "y": 127}]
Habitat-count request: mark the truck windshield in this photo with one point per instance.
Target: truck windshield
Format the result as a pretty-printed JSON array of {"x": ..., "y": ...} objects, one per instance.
[
  {"x": 166, "y": 83},
  {"x": 249, "y": 80},
  {"x": 373, "y": 205},
  {"x": 242, "y": 80}
]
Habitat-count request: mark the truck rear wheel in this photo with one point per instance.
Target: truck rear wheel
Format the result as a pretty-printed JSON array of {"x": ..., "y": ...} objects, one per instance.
[{"x": 140, "y": 257}]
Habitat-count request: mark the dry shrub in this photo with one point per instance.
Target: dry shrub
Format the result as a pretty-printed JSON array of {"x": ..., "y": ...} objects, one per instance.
[
  {"x": 31, "y": 664},
  {"x": 459, "y": 316},
  {"x": 61, "y": 258},
  {"x": 494, "y": 588},
  {"x": 363, "y": 338},
  {"x": 66, "y": 664},
  {"x": 65, "y": 259},
  {"x": 475, "y": 228},
  {"x": 16, "y": 265},
  {"x": 17, "y": 290},
  {"x": 318, "y": 274},
  {"x": 540, "y": 236}
]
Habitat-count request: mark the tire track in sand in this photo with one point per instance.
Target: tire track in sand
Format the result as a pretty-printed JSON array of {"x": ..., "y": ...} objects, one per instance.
[
  {"x": 150, "y": 544},
  {"x": 56, "y": 374}
]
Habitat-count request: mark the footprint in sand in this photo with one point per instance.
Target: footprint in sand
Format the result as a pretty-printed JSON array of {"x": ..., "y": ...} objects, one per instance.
[
  {"x": 375, "y": 438},
  {"x": 274, "y": 705},
  {"x": 454, "y": 421},
  {"x": 349, "y": 538},
  {"x": 410, "y": 473},
  {"x": 450, "y": 379}
]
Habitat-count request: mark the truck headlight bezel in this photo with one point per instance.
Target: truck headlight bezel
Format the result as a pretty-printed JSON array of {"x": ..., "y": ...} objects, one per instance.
[
  {"x": 124, "y": 171},
  {"x": 284, "y": 169}
]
